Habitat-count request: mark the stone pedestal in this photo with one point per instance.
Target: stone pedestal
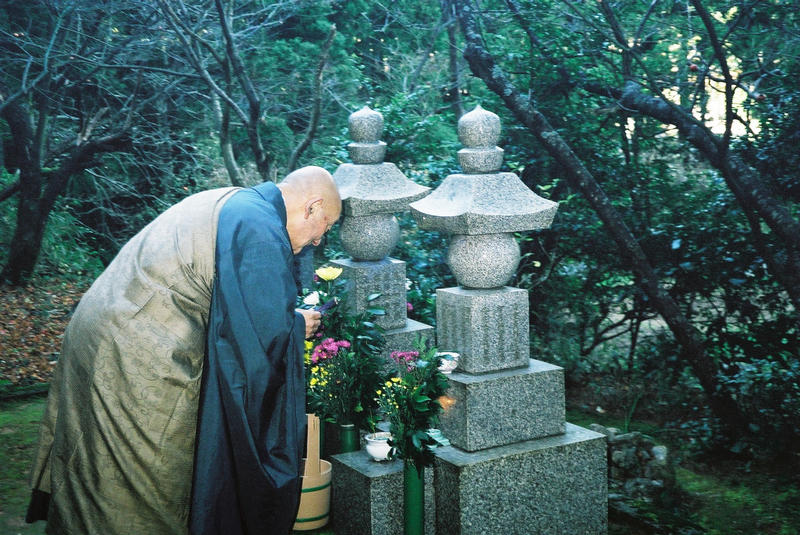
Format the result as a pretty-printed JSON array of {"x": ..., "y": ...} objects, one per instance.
[
  {"x": 499, "y": 408},
  {"x": 385, "y": 278},
  {"x": 489, "y": 328},
  {"x": 367, "y": 496},
  {"x": 554, "y": 485},
  {"x": 405, "y": 338}
]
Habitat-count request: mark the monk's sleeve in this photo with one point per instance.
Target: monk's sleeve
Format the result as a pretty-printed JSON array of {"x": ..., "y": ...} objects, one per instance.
[{"x": 251, "y": 420}]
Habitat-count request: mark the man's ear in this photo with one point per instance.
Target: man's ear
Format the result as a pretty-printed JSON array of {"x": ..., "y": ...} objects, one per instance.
[{"x": 312, "y": 205}]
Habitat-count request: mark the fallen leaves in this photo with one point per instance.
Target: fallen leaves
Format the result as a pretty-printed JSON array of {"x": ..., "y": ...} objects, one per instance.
[{"x": 32, "y": 322}]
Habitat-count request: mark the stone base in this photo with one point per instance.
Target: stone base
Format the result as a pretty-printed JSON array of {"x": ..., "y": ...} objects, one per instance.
[
  {"x": 404, "y": 339},
  {"x": 553, "y": 485},
  {"x": 386, "y": 277},
  {"x": 367, "y": 496},
  {"x": 495, "y": 409},
  {"x": 489, "y": 328}
]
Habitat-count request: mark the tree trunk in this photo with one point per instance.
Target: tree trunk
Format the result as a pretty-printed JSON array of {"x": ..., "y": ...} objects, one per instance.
[
  {"x": 23, "y": 252},
  {"x": 693, "y": 352},
  {"x": 38, "y": 190},
  {"x": 26, "y": 243},
  {"x": 454, "y": 91},
  {"x": 222, "y": 118}
]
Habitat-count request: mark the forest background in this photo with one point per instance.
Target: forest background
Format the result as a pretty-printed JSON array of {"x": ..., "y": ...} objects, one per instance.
[{"x": 668, "y": 286}]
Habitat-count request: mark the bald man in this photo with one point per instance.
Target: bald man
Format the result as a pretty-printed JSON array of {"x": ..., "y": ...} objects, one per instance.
[{"x": 178, "y": 403}]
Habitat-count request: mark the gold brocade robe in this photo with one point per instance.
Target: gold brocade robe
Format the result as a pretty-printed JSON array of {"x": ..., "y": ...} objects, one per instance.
[{"x": 116, "y": 443}]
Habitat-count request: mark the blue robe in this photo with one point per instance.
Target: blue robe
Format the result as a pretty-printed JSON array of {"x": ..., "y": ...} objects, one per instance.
[{"x": 251, "y": 419}]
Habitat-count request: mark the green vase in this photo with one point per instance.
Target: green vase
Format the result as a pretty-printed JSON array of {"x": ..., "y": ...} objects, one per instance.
[
  {"x": 348, "y": 438},
  {"x": 413, "y": 499}
]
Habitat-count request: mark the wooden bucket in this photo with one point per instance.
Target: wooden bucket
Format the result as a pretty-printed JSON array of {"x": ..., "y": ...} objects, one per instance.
[{"x": 315, "y": 499}]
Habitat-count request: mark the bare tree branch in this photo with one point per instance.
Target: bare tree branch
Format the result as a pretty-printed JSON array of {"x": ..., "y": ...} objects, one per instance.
[
  {"x": 722, "y": 59},
  {"x": 145, "y": 68},
  {"x": 410, "y": 84},
  {"x": 453, "y": 55},
  {"x": 316, "y": 105},
  {"x": 26, "y": 88},
  {"x": 9, "y": 191},
  {"x": 173, "y": 19},
  {"x": 263, "y": 160}
]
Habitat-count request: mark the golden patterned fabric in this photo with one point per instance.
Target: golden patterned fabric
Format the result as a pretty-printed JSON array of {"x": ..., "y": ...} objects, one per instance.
[{"x": 117, "y": 440}]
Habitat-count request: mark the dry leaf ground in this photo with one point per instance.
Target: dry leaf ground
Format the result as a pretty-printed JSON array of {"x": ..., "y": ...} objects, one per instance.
[{"x": 32, "y": 322}]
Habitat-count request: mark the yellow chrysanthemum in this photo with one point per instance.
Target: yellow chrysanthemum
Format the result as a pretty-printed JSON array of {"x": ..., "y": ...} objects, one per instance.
[{"x": 328, "y": 273}]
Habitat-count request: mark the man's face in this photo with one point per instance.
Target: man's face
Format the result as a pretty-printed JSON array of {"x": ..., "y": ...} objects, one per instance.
[{"x": 315, "y": 224}]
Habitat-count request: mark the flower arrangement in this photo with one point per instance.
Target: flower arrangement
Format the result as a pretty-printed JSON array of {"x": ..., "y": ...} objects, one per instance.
[
  {"x": 324, "y": 297},
  {"x": 409, "y": 401},
  {"x": 359, "y": 329},
  {"x": 341, "y": 386},
  {"x": 343, "y": 365}
]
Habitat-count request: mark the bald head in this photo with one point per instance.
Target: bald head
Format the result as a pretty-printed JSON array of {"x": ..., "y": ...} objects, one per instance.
[{"x": 312, "y": 204}]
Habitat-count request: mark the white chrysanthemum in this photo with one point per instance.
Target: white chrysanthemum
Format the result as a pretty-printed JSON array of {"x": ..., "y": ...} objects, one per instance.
[{"x": 311, "y": 299}]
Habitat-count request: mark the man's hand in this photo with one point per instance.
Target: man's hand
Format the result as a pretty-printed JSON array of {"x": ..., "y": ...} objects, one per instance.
[{"x": 313, "y": 320}]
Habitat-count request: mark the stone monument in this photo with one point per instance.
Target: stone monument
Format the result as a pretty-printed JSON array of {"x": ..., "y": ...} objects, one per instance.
[
  {"x": 366, "y": 495},
  {"x": 515, "y": 465},
  {"x": 372, "y": 192}
]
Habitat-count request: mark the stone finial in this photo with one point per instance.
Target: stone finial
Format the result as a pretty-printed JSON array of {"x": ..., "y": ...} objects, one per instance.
[
  {"x": 479, "y": 132},
  {"x": 479, "y": 128},
  {"x": 366, "y": 126}
]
